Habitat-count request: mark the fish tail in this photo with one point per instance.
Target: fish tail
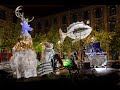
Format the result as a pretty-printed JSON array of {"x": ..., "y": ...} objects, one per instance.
[{"x": 62, "y": 35}]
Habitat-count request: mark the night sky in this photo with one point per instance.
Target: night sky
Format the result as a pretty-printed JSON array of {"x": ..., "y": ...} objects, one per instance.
[
  {"x": 44, "y": 10},
  {"x": 48, "y": 7}
]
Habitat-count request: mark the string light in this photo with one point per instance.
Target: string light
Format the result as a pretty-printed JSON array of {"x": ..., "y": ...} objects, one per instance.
[{"x": 23, "y": 44}]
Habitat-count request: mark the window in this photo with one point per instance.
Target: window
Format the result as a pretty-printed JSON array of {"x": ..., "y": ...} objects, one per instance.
[
  {"x": 114, "y": 55},
  {"x": 38, "y": 25},
  {"x": 64, "y": 20},
  {"x": 64, "y": 29},
  {"x": 97, "y": 28},
  {"x": 112, "y": 25},
  {"x": 2, "y": 15},
  {"x": 98, "y": 25},
  {"x": 15, "y": 19},
  {"x": 98, "y": 13},
  {"x": 55, "y": 21},
  {"x": 86, "y": 15},
  {"x": 74, "y": 18},
  {"x": 46, "y": 23},
  {"x": 112, "y": 10}
]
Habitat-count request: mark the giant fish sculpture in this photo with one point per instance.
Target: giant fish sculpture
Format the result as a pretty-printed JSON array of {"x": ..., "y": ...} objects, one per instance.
[{"x": 76, "y": 31}]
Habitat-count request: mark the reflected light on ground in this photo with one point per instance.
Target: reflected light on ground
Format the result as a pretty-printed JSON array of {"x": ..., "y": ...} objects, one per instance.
[
  {"x": 104, "y": 70},
  {"x": 101, "y": 70}
]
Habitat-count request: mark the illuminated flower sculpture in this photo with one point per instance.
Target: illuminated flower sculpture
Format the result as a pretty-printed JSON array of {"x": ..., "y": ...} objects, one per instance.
[{"x": 24, "y": 62}]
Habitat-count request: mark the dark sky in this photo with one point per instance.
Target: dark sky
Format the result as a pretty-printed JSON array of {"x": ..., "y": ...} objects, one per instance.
[
  {"x": 43, "y": 10},
  {"x": 48, "y": 7}
]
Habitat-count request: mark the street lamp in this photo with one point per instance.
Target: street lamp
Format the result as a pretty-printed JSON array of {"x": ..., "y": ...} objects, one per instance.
[
  {"x": 92, "y": 39},
  {"x": 59, "y": 47},
  {"x": 81, "y": 44},
  {"x": 59, "y": 42},
  {"x": 88, "y": 22}
]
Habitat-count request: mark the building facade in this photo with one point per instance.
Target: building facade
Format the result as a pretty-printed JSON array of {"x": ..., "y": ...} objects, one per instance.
[{"x": 107, "y": 16}]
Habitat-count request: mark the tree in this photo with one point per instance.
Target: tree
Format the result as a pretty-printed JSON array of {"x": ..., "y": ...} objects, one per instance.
[
  {"x": 115, "y": 43},
  {"x": 37, "y": 40},
  {"x": 10, "y": 36},
  {"x": 105, "y": 39},
  {"x": 67, "y": 44},
  {"x": 53, "y": 36}
]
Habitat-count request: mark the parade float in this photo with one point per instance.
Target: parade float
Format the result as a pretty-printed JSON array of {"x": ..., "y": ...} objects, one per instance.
[
  {"x": 24, "y": 59},
  {"x": 76, "y": 31},
  {"x": 96, "y": 56}
]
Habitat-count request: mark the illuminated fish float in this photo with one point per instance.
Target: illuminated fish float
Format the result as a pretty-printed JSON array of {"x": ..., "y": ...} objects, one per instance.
[{"x": 76, "y": 31}]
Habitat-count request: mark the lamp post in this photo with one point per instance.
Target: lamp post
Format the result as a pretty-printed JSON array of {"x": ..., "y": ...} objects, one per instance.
[
  {"x": 82, "y": 52},
  {"x": 59, "y": 47},
  {"x": 88, "y": 22},
  {"x": 92, "y": 39}
]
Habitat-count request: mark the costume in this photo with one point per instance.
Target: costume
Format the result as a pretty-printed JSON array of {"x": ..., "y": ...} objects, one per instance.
[
  {"x": 45, "y": 66},
  {"x": 24, "y": 59}
]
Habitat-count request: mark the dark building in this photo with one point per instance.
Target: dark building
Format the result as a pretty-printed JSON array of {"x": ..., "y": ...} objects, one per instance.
[
  {"x": 7, "y": 17},
  {"x": 106, "y": 16}
]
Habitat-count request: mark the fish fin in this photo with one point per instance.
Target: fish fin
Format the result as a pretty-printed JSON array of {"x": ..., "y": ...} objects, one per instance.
[
  {"x": 62, "y": 35},
  {"x": 75, "y": 40}
]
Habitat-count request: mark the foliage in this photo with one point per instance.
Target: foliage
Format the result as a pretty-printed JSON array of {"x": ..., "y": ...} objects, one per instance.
[
  {"x": 104, "y": 38},
  {"x": 9, "y": 36},
  {"x": 67, "y": 44},
  {"x": 39, "y": 38},
  {"x": 115, "y": 43},
  {"x": 81, "y": 43},
  {"x": 53, "y": 36},
  {"x": 76, "y": 45}
]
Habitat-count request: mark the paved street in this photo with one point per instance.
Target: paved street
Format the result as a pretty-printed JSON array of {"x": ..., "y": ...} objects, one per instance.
[{"x": 86, "y": 78}]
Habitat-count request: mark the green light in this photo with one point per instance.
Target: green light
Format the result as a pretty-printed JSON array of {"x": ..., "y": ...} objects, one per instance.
[{"x": 67, "y": 63}]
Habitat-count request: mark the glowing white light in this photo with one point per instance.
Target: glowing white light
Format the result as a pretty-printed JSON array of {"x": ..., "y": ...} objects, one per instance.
[
  {"x": 100, "y": 69},
  {"x": 59, "y": 42},
  {"x": 92, "y": 39},
  {"x": 88, "y": 22},
  {"x": 104, "y": 70}
]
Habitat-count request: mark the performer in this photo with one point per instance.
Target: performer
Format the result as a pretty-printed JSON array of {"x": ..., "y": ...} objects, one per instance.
[
  {"x": 45, "y": 66},
  {"x": 24, "y": 62}
]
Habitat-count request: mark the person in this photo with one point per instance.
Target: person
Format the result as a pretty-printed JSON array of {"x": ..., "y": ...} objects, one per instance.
[
  {"x": 75, "y": 55},
  {"x": 57, "y": 59},
  {"x": 45, "y": 66},
  {"x": 74, "y": 59},
  {"x": 65, "y": 55}
]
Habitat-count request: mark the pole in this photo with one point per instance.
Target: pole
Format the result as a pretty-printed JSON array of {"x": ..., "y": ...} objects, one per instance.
[{"x": 81, "y": 50}]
